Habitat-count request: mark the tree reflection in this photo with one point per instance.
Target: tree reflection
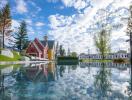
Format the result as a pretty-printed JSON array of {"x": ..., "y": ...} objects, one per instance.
[
  {"x": 74, "y": 67},
  {"x": 21, "y": 76},
  {"x": 129, "y": 88},
  {"x": 62, "y": 70},
  {"x": 102, "y": 83}
]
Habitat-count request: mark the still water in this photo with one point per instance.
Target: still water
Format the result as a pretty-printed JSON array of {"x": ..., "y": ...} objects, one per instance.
[{"x": 85, "y": 81}]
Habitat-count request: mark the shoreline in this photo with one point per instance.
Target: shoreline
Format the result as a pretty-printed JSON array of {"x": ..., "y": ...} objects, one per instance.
[{"x": 22, "y": 62}]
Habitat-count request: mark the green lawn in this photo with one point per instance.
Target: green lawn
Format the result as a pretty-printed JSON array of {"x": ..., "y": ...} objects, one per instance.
[
  {"x": 5, "y": 58},
  {"x": 95, "y": 60}
]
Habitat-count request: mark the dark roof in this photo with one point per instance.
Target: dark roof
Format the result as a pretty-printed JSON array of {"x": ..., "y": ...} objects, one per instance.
[{"x": 50, "y": 43}]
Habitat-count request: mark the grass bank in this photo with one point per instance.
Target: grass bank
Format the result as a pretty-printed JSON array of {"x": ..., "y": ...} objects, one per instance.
[
  {"x": 16, "y": 57},
  {"x": 95, "y": 60}
]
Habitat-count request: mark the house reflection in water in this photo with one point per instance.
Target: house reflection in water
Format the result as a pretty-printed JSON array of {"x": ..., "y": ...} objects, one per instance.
[{"x": 40, "y": 72}]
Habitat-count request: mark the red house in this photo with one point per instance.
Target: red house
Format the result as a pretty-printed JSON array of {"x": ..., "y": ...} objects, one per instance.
[{"x": 37, "y": 49}]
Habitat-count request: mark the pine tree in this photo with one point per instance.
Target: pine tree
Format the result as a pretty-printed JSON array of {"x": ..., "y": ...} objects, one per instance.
[
  {"x": 5, "y": 22},
  {"x": 62, "y": 51},
  {"x": 21, "y": 37}
]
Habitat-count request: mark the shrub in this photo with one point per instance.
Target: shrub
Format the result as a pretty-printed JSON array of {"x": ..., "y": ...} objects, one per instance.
[
  {"x": 120, "y": 60},
  {"x": 67, "y": 58}
]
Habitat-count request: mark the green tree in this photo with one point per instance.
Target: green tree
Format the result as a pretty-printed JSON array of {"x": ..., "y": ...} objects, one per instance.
[
  {"x": 129, "y": 33},
  {"x": 129, "y": 30},
  {"x": 102, "y": 42},
  {"x": 5, "y": 22},
  {"x": 21, "y": 37},
  {"x": 56, "y": 49},
  {"x": 74, "y": 54},
  {"x": 62, "y": 51}
]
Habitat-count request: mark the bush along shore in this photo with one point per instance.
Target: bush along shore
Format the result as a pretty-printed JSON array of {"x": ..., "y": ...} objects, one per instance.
[{"x": 66, "y": 60}]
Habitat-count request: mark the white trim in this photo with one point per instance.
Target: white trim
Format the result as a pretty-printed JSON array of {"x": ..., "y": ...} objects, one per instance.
[
  {"x": 40, "y": 42},
  {"x": 37, "y": 47}
]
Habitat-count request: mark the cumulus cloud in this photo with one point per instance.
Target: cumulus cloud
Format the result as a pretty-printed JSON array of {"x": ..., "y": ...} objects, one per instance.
[
  {"x": 28, "y": 21},
  {"x": 77, "y": 4},
  {"x": 39, "y": 24},
  {"x": 21, "y": 6},
  {"x": 76, "y": 31},
  {"x": 15, "y": 25}
]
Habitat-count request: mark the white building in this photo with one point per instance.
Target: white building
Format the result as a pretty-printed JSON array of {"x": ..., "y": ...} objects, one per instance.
[{"x": 109, "y": 56}]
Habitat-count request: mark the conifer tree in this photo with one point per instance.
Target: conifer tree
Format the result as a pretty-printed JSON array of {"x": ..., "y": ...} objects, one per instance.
[{"x": 21, "y": 37}]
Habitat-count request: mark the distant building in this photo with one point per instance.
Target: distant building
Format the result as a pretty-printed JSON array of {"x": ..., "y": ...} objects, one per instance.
[
  {"x": 109, "y": 56},
  {"x": 42, "y": 49}
]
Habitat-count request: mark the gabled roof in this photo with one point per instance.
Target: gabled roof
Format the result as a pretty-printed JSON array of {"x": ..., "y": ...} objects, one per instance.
[{"x": 50, "y": 43}]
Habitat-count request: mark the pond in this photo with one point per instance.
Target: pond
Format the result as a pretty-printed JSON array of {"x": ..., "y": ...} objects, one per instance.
[{"x": 85, "y": 81}]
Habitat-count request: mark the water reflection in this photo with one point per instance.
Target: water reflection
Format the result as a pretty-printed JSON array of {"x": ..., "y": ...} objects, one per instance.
[
  {"x": 129, "y": 87},
  {"x": 86, "y": 81},
  {"x": 37, "y": 73},
  {"x": 102, "y": 83}
]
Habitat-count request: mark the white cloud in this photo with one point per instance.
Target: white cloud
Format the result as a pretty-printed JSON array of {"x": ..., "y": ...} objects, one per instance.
[
  {"x": 15, "y": 25},
  {"x": 74, "y": 31},
  {"x": 39, "y": 24},
  {"x": 77, "y": 4},
  {"x": 21, "y": 6},
  {"x": 28, "y": 21},
  {"x": 30, "y": 30},
  {"x": 9, "y": 40}
]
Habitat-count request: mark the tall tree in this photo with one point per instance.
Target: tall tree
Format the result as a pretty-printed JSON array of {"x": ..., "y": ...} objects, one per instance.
[
  {"x": 102, "y": 42},
  {"x": 21, "y": 37},
  {"x": 56, "y": 50},
  {"x": 5, "y": 22},
  {"x": 129, "y": 31},
  {"x": 62, "y": 51}
]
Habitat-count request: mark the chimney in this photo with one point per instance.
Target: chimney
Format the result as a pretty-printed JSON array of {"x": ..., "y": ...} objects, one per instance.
[{"x": 45, "y": 38}]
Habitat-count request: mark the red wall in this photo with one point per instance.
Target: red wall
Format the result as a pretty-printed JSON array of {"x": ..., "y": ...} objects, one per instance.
[
  {"x": 31, "y": 49},
  {"x": 38, "y": 44}
]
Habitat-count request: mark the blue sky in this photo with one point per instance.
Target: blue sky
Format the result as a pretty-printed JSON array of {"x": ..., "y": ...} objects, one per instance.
[{"x": 71, "y": 22}]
